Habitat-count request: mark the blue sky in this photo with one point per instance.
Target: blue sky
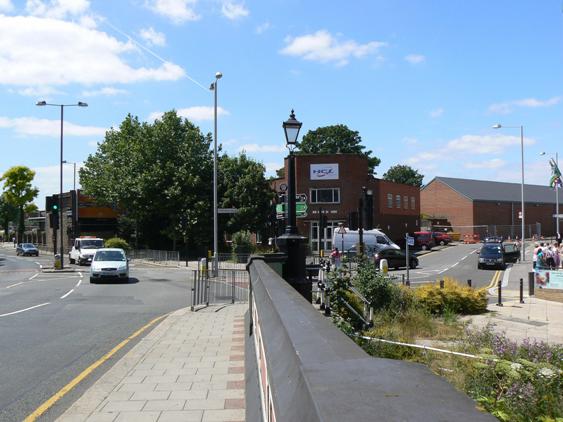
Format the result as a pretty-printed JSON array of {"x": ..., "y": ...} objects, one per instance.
[{"x": 421, "y": 81}]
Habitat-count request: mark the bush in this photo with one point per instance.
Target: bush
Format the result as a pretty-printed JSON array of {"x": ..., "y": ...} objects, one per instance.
[
  {"x": 117, "y": 242},
  {"x": 242, "y": 245},
  {"x": 452, "y": 298}
]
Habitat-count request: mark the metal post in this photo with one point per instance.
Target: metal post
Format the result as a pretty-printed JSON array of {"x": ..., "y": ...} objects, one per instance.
[
  {"x": 407, "y": 255},
  {"x": 557, "y": 197},
  {"x": 499, "y": 286},
  {"x": 291, "y": 227},
  {"x": 441, "y": 284},
  {"x": 522, "y": 193},
  {"x": 193, "y": 289},
  {"x": 233, "y": 287},
  {"x": 469, "y": 282},
  {"x": 61, "y": 193},
  {"x": 218, "y": 75},
  {"x": 521, "y": 290},
  {"x": 361, "y": 227}
]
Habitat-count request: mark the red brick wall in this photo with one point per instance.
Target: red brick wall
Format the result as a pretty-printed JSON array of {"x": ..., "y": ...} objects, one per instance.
[{"x": 439, "y": 200}]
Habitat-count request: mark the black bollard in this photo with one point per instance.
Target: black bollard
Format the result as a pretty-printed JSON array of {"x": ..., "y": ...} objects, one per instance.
[
  {"x": 499, "y": 302},
  {"x": 441, "y": 284},
  {"x": 521, "y": 290},
  {"x": 403, "y": 279},
  {"x": 469, "y": 282}
]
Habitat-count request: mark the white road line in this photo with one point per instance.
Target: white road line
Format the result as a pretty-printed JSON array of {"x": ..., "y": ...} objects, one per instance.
[
  {"x": 38, "y": 263},
  {"x": 33, "y": 276},
  {"x": 23, "y": 310},
  {"x": 454, "y": 265},
  {"x": 66, "y": 294},
  {"x": 80, "y": 274},
  {"x": 13, "y": 285},
  {"x": 78, "y": 284}
]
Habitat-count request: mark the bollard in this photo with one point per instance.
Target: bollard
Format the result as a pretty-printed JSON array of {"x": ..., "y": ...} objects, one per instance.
[
  {"x": 403, "y": 279},
  {"x": 441, "y": 284},
  {"x": 531, "y": 283},
  {"x": 521, "y": 290},
  {"x": 499, "y": 302},
  {"x": 469, "y": 282},
  {"x": 408, "y": 283}
]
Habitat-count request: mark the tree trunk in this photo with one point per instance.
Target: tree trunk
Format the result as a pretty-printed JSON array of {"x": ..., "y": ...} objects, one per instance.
[{"x": 21, "y": 225}]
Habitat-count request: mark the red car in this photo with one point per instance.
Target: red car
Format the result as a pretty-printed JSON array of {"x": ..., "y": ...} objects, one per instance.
[
  {"x": 424, "y": 240},
  {"x": 441, "y": 238}
]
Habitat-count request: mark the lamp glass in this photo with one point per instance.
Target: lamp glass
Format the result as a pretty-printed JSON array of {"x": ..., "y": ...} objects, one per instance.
[{"x": 291, "y": 127}]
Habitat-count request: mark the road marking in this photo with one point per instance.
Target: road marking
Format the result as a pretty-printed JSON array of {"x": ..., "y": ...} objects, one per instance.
[
  {"x": 13, "y": 285},
  {"x": 38, "y": 263},
  {"x": 23, "y": 310},
  {"x": 494, "y": 280},
  {"x": 58, "y": 395},
  {"x": 80, "y": 274},
  {"x": 65, "y": 295},
  {"x": 33, "y": 276},
  {"x": 78, "y": 284}
]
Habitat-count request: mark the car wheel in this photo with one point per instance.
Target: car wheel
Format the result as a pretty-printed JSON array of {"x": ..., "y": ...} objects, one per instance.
[
  {"x": 412, "y": 265},
  {"x": 479, "y": 267},
  {"x": 442, "y": 243},
  {"x": 92, "y": 280},
  {"x": 72, "y": 261},
  {"x": 424, "y": 247}
]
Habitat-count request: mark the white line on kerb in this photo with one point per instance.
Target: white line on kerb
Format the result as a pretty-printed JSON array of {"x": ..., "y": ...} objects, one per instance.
[
  {"x": 65, "y": 295},
  {"x": 38, "y": 263},
  {"x": 13, "y": 285},
  {"x": 80, "y": 274},
  {"x": 33, "y": 276},
  {"x": 78, "y": 284},
  {"x": 23, "y": 310}
]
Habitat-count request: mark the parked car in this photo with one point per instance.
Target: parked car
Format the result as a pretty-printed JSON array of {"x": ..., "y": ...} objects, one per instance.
[
  {"x": 395, "y": 258},
  {"x": 369, "y": 250},
  {"x": 83, "y": 249},
  {"x": 27, "y": 249},
  {"x": 491, "y": 255},
  {"x": 424, "y": 240},
  {"x": 109, "y": 263},
  {"x": 441, "y": 238},
  {"x": 348, "y": 238}
]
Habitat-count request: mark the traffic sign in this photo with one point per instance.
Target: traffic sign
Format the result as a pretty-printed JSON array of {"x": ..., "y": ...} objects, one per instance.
[
  {"x": 410, "y": 241},
  {"x": 227, "y": 210}
]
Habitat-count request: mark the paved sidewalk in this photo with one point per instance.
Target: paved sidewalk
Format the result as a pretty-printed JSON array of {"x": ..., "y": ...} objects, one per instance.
[{"x": 189, "y": 368}]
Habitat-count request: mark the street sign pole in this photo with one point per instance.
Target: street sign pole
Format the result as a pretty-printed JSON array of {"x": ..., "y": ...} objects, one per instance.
[{"x": 407, "y": 255}]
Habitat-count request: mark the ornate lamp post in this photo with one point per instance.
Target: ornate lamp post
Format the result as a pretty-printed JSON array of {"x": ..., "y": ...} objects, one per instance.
[{"x": 291, "y": 243}]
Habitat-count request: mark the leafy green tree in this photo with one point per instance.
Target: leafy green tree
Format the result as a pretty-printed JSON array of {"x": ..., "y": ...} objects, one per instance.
[
  {"x": 19, "y": 192},
  {"x": 336, "y": 139},
  {"x": 242, "y": 185},
  {"x": 8, "y": 213},
  {"x": 404, "y": 174},
  {"x": 159, "y": 176}
]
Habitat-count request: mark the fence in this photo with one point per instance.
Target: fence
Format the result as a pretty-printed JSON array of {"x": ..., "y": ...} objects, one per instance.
[
  {"x": 229, "y": 286},
  {"x": 156, "y": 256}
]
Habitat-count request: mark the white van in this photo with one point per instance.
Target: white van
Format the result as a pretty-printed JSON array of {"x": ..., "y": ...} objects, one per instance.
[
  {"x": 84, "y": 248},
  {"x": 372, "y": 238}
]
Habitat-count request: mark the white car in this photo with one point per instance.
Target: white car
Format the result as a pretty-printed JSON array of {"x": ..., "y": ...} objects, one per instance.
[{"x": 109, "y": 264}]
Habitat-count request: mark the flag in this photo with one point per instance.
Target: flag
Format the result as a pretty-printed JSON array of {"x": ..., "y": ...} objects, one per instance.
[{"x": 555, "y": 181}]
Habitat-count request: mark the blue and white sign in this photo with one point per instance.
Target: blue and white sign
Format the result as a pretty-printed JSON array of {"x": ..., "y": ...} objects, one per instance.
[
  {"x": 549, "y": 279},
  {"x": 324, "y": 171},
  {"x": 410, "y": 241}
]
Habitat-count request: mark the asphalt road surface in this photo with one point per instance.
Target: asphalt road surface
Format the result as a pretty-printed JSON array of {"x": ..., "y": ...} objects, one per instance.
[{"x": 53, "y": 326}]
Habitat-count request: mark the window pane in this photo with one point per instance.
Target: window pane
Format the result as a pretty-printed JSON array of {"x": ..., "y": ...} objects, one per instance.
[
  {"x": 337, "y": 195},
  {"x": 406, "y": 202},
  {"x": 398, "y": 200},
  {"x": 413, "y": 203},
  {"x": 389, "y": 200}
]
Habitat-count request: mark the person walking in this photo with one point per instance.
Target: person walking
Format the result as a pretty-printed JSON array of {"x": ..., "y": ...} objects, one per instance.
[
  {"x": 335, "y": 257},
  {"x": 535, "y": 256}
]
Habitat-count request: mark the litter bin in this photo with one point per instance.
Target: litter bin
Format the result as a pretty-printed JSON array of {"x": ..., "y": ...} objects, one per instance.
[
  {"x": 203, "y": 266},
  {"x": 57, "y": 261},
  {"x": 383, "y": 267}
]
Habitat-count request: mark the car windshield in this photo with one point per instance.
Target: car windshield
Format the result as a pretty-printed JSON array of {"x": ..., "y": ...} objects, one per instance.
[
  {"x": 92, "y": 244},
  {"x": 491, "y": 249},
  {"x": 109, "y": 256},
  {"x": 28, "y": 245}
]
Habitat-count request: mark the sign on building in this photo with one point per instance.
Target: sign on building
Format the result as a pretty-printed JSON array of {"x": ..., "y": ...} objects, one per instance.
[{"x": 324, "y": 172}]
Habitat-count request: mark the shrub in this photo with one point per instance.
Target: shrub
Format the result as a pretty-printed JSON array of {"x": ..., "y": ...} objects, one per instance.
[
  {"x": 242, "y": 244},
  {"x": 117, "y": 242},
  {"x": 453, "y": 298}
]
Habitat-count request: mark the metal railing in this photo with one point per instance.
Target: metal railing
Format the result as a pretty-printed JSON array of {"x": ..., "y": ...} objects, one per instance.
[
  {"x": 229, "y": 286},
  {"x": 160, "y": 257}
]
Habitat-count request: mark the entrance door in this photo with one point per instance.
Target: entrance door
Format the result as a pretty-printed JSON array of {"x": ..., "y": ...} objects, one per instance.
[{"x": 326, "y": 243}]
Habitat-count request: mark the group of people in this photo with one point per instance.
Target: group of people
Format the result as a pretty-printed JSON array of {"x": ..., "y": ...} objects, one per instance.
[{"x": 548, "y": 256}]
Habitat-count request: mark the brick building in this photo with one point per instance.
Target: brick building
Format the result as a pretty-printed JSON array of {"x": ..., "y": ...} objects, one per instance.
[
  {"x": 333, "y": 184},
  {"x": 485, "y": 207}
]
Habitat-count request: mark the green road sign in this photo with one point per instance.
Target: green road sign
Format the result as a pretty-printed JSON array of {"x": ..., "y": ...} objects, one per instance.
[{"x": 301, "y": 207}]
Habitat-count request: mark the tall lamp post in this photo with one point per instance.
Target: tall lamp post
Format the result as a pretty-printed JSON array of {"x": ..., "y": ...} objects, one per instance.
[
  {"x": 213, "y": 88},
  {"x": 556, "y": 194},
  {"x": 291, "y": 242},
  {"x": 61, "y": 106},
  {"x": 499, "y": 126}
]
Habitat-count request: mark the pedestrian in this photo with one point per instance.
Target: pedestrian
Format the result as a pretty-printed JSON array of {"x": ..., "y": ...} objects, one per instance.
[
  {"x": 335, "y": 257},
  {"x": 549, "y": 258},
  {"x": 540, "y": 262},
  {"x": 535, "y": 256},
  {"x": 14, "y": 240},
  {"x": 558, "y": 239}
]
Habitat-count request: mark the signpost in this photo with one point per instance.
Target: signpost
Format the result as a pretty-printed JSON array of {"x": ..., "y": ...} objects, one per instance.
[
  {"x": 227, "y": 211},
  {"x": 300, "y": 207},
  {"x": 409, "y": 242}
]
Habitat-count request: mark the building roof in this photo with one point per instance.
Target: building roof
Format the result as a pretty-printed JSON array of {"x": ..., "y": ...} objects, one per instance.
[{"x": 486, "y": 190}]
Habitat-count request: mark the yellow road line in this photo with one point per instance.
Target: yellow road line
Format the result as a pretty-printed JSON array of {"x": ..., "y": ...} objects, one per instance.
[
  {"x": 58, "y": 395},
  {"x": 494, "y": 280}
]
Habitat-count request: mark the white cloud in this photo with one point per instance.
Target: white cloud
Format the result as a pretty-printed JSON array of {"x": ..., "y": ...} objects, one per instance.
[
  {"x": 44, "y": 127},
  {"x": 6, "y": 6},
  {"x": 42, "y": 92},
  {"x": 107, "y": 91},
  {"x": 32, "y": 50},
  {"x": 415, "y": 58},
  {"x": 234, "y": 11},
  {"x": 410, "y": 141},
  {"x": 256, "y": 148},
  {"x": 508, "y": 107},
  {"x": 260, "y": 29},
  {"x": 495, "y": 163},
  {"x": 178, "y": 11},
  {"x": 196, "y": 113},
  {"x": 437, "y": 112},
  {"x": 485, "y": 144},
  {"x": 47, "y": 181},
  {"x": 153, "y": 37},
  {"x": 57, "y": 9},
  {"x": 322, "y": 47},
  {"x": 271, "y": 168}
]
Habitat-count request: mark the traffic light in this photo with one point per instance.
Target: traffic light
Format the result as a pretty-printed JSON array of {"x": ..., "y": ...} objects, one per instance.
[
  {"x": 368, "y": 223},
  {"x": 54, "y": 220},
  {"x": 54, "y": 216},
  {"x": 353, "y": 220}
]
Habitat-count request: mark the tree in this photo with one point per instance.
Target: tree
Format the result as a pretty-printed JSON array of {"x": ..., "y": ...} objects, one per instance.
[
  {"x": 336, "y": 139},
  {"x": 404, "y": 174},
  {"x": 242, "y": 185},
  {"x": 19, "y": 192},
  {"x": 8, "y": 213}
]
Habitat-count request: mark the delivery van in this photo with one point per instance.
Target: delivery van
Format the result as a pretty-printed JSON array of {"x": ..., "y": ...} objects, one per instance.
[{"x": 375, "y": 239}]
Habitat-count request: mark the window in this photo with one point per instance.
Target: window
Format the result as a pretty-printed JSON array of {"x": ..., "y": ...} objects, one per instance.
[
  {"x": 406, "y": 202},
  {"x": 389, "y": 200},
  {"x": 398, "y": 200},
  {"x": 325, "y": 196},
  {"x": 413, "y": 203}
]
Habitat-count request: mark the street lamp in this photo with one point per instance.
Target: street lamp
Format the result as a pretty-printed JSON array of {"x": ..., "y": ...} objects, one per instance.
[
  {"x": 556, "y": 190},
  {"x": 213, "y": 88},
  {"x": 291, "y": 243},
  {"x": 61, "y": 106},
  {"x": 499, "y": 126}
]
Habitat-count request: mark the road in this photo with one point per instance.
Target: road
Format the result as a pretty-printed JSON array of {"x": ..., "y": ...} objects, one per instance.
[
  {"x": 53, "y": 326},
  {"x": 458, "y": 262}
]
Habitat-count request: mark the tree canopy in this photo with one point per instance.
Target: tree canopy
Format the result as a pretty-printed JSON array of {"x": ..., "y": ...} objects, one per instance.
[
  {"x": 336, "y": 139},
  {"x": 18, "y": 191},
  {"x": 404, "y": 174}
]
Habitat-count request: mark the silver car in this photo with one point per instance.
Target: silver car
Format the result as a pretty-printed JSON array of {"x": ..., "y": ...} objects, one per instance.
[{"x": 109, "y": 264}]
